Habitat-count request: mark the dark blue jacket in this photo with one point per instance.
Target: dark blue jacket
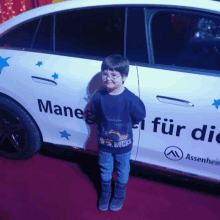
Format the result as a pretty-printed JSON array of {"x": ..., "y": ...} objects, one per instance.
[{"x": 114, "y": 116}]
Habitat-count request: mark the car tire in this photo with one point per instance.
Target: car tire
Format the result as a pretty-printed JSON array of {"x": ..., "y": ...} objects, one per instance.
[{"x": 20, "y": 137}]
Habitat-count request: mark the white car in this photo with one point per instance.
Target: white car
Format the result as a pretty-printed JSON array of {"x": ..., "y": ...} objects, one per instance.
[{"x": 50, "y": 61}]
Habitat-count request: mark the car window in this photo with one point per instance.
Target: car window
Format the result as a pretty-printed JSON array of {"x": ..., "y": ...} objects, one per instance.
[
  {"x": 21, "y": 36},
  {"x": 44, "y": 37},
  {"x": 96, "y": 32},
  {"x": 186, "y": 40},
  {"x": 136, "y": 47}
]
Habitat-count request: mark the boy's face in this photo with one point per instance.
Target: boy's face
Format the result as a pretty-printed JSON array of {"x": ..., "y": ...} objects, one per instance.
[{"x": 112, "y": 79}]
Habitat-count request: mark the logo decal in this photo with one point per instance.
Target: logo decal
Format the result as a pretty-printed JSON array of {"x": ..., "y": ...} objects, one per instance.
[
  {"x": 55, "y": 76},
  {"x": 173, "y": 153},
  {"x": 3, "y": 63},
  {"x": 39, "y": 63},
  {"x": 121, "y": 137},
  {"x": 216, "y": 103},
  {"x": 65, "y": 134},
  {"x": 106, "y": 141},
  {"x": 102, "y": 140}
]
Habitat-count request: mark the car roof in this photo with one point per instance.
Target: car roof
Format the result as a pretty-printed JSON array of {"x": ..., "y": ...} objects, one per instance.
[{"x": 62, "y": 6}]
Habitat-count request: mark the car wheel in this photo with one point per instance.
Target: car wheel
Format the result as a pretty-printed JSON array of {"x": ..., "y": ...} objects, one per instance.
[{"x": 19, "y": 136}]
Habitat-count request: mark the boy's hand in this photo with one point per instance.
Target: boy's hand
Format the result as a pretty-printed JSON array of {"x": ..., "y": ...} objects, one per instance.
[{"x": 134, "y": 125}]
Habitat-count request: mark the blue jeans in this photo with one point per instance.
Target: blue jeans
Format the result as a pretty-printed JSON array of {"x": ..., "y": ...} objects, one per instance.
[{"x": 122, "y": 166}]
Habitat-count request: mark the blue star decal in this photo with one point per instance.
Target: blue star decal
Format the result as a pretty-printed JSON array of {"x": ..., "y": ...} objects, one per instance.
[
  {"x": 216, "y": 103},
  {"x": 55, "y": 76},
  {"x": 65, "y": 134},
  {"x": 39, "y": 63},
  {"x": 3, "y": 63}
]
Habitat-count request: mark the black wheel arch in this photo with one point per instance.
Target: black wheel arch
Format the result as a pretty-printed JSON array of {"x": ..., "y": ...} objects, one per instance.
[{"x": 25, "y": 110}]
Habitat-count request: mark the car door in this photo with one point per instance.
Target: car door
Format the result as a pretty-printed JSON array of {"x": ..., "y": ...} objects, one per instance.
[
  {"x": 59, "y": 80},
  {"x": 180, "y": 89}
]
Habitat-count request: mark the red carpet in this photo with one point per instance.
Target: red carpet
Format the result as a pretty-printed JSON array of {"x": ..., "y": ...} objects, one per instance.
[{"x": 46, "y": 188}]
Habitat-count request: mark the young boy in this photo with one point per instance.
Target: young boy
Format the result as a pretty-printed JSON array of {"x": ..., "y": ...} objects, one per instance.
[{"x": 115, "y": 109}]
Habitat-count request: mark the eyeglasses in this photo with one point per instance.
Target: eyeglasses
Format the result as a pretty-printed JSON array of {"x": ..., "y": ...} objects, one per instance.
[{"x": 111, "y": 76}]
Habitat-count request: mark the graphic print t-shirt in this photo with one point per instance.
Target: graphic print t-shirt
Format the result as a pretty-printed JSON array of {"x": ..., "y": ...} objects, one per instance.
[{"x": 114, "y": 116}]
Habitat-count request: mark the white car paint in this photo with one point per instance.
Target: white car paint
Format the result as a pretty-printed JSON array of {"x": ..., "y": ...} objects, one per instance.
[
  {"x": 9, "y": 87},
  {"x": 200, "y": 90}
]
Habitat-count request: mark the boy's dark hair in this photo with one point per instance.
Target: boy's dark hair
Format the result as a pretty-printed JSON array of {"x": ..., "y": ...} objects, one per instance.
[{"x": 116, "y": 62}]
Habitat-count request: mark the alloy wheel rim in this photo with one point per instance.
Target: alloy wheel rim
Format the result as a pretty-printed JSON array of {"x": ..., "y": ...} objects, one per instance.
[{"x": 13, "y": 136}]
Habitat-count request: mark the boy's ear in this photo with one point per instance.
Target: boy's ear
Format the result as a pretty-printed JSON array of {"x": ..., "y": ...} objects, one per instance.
[{"x": 124, "y": 78}]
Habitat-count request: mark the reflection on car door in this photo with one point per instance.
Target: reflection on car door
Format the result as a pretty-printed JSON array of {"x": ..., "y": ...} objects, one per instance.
[{"x": 181, "y": 129}]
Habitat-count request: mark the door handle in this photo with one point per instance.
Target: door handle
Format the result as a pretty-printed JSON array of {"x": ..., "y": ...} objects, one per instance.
[
  {"x": 174, "y": 101},
  {"x": 43, "y": 80}
]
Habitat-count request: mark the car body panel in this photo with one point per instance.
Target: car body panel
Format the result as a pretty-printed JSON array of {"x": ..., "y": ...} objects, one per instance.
[
  {"x": 200, "y": 91},
  {"x": 59, "y": 101},
  {"x": 9, "y": 87}
]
